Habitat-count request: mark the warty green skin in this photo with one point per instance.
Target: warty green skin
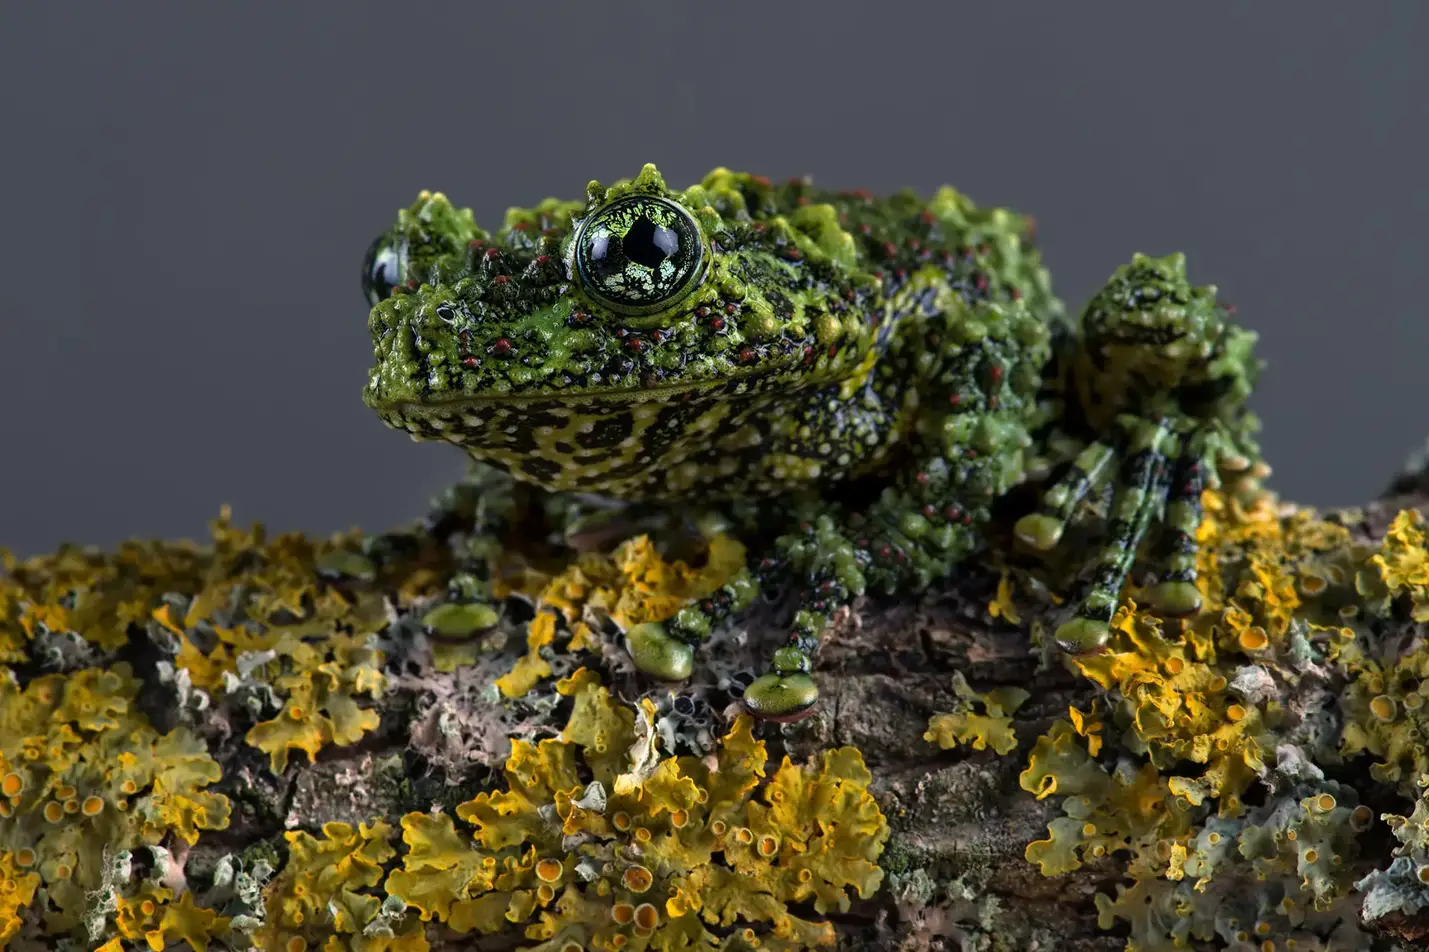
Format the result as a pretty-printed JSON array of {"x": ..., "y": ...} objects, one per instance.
[{"x": 871, "y": 375}]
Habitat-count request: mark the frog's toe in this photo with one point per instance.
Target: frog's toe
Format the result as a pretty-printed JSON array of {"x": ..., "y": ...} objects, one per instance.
[
  {"x": 1174, "y": 599},
  {"x": 1039, "y": 530},
  {"x": 781, "y": 697},
  {"x": 1082, "y": 635},
  {"x": 657, "y": 654}
]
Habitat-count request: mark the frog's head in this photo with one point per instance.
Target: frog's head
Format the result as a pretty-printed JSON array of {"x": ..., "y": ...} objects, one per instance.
[
  {"x": 1149, "y": 335},
  {"x": 558, "y": 345}
]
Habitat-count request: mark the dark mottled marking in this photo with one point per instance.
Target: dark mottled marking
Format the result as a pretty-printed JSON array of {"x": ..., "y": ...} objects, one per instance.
[
  {"x": 607, "y": 432},
  {"x": 540, "y": 469}
]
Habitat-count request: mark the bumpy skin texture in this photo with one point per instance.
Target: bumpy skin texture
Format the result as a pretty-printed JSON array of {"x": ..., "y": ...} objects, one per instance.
[{"x": 868, "y": 378}]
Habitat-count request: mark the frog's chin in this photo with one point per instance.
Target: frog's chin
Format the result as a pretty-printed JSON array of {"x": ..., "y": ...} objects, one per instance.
[{"x": 726, "y": 387}]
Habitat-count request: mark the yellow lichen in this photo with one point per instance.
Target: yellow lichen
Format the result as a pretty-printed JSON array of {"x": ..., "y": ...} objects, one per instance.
[
  {"x": 1403, "y": 562},
  {"x": 324, "y": 897},
  {"x": 721, "y": 845},
  {"x": 77, "y": 740},
  {"x": 322, "y": 683},
  {"x": 1002, "y": 604},
  {"x": 17, "y": 890},
  {"x": 154, "y": 916},
  {"x": 991, "y": 728}
]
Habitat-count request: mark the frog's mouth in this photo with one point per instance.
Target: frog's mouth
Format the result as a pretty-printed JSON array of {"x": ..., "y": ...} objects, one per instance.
[{"x": 731, "y": 386}]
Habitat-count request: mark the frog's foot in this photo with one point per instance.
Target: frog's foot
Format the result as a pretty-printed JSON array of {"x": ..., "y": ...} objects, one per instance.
[
  {"x": 656, "y": 653},
  {"x": 666, "y": 651},
  {"x": 1148, "y": 483},
  {"x": 787, "y": 693}
]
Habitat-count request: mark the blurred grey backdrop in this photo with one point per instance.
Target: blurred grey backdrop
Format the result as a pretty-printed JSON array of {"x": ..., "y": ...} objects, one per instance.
[{"x": 188, "y": 190}]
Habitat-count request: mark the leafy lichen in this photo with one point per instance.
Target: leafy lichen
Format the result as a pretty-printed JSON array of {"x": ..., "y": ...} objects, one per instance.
[{"x": 647, "y": 853}]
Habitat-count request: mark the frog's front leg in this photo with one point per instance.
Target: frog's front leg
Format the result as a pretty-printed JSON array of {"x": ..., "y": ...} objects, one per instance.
[{"x": 1159, "y": 380}]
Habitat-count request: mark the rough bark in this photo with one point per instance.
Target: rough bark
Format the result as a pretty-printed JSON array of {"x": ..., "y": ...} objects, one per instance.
[{"x": 956, "y": 873}]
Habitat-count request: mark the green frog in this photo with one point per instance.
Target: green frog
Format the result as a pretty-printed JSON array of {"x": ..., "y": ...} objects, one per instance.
[{"x": 870, "y": 376}]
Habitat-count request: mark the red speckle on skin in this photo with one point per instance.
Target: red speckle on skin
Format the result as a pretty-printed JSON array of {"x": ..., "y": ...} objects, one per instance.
[
  {"x": 731, "y": 308},
  {"x": 980, "y": 282},
  {"x": 542, "y": 260},
  {"x": 833, "y": 349},
  {"x": 717, "y": 323},
  {"x": 761, "y": 180},
  {"x": 889, "y": 249},
  {"x": 635, "y": 343},
  {"x": 996, "y": 373},
  {"x": 475, "y": 243},
  {"x": 492, "y": 254},
  {"x": 803, "y": 199},
  {"x": 501, "y": 347},
  {"x": 521, "y": 226},
  {"x": 746, "y": 355},
  {"x": 500, "y": 279},
  {"x": 1016, "y": 294},
  {"x": 955, "y": 398},
  {"x": 469, "y": 361},
  {"x": 922, "y": 479}
]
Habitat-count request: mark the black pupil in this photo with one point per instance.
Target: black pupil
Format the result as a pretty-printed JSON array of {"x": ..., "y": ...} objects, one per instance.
[{"x": 649, "y": 244}]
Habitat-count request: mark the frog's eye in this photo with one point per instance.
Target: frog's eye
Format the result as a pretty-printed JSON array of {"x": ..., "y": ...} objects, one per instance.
[
  {"x": 639, "y": 254},
  {"x": 383, "y": 267}
]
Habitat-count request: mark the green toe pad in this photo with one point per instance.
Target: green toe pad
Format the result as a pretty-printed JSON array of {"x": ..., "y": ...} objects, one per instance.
[
  {"x": 1039, "y": 531},
  {"x": 781, "y": 698},
  {"x": 1082, "y": 635},
  {"x": 1174, "y": 599},
  {"x": 657, "y": 654}
]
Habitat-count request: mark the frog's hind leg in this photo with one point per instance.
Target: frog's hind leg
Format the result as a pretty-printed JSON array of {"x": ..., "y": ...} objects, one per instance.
[
  {"x": 1141, "y": 493},
  {"x": 1175, "y": 594},
  {"x": 1043, "y": 529}
]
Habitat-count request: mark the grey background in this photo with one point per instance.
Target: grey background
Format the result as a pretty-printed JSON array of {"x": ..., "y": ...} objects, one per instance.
[{"x": 188, "y": 189}]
